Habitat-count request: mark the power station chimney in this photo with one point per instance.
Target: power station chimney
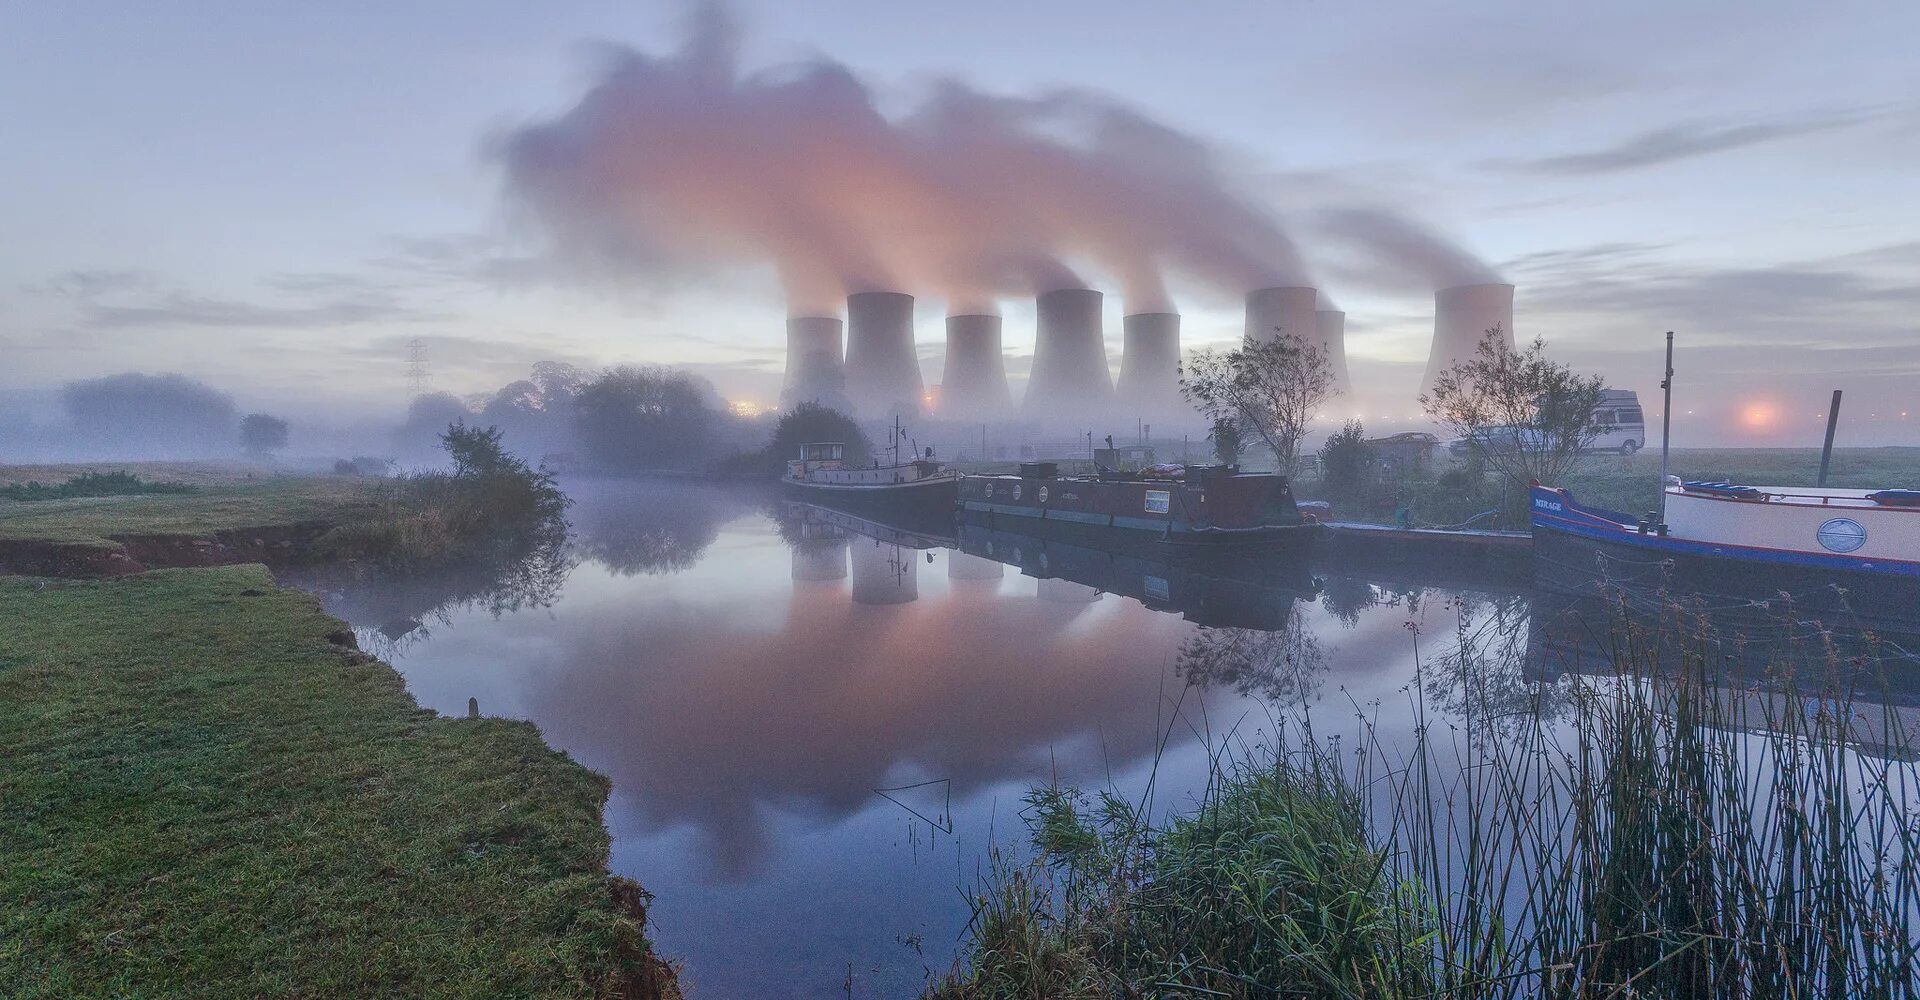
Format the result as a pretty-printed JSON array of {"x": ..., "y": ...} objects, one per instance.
[
  {"x": 1276, "y": 312},
  {"x": 974, "y": 387},
  {"x": 1149, "y": 383},
  {"x": 1462, "y": 315},
  {"x": 883, "y": 373},
  {"x": 815, "y": 371},
  {"x": 1069, "y": 377},
  {"x": 1331, "y": 326}
]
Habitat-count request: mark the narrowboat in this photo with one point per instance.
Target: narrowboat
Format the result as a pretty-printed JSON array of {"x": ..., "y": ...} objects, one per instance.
[
  {"x": 1845, "y": 551},
  {"x": 1166, "y": 504}
]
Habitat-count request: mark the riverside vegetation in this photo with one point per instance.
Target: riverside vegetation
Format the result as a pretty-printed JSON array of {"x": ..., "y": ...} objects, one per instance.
[
  {"x": 1682, "y": 834},
  {"x": 206, "y": 789}
]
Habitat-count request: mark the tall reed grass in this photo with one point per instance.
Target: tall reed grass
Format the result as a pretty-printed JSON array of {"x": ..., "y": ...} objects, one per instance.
[{"x": 1675, "y": 826}]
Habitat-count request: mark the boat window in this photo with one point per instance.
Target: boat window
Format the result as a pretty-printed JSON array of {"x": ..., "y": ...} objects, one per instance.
[{"x": 1159, "y": 501}]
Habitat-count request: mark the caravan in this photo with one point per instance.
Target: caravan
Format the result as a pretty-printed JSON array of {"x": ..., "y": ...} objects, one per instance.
[{"x": 1622, "y": 426}]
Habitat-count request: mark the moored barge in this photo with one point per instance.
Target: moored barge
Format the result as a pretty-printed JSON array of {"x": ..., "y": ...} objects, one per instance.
[{"x": 1181, "y": 505}]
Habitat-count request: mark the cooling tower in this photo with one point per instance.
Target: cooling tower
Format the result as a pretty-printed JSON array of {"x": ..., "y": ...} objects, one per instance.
[
  {"x": 1069, "y": 378},
  {"x": 1462, "y": 315},
  {"x": 1149, "y": 383},
  {"x": 884, "y": 573},
  {"x": 815, "y": 370},
  {"x": 820, "y": 559},
  {"x": 1331, "y": 325},
  {"x": 883, "y": 373},
  {"x": 962, "y": 567},
  {"x": 974, "y": 387},
  {"x": 1273, "y": 312}
]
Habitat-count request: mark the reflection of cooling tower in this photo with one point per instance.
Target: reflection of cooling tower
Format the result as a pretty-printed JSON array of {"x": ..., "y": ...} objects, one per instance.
[
  {"x": 1070, "y": 375},
  {"x": 961, "y": 566},
  {"x": 1149, "y": 384},
  {"x": 975, "y": 384},
  {"x": 883, "y": 373},
  {"x": 1275, "y": 312},
  {"x": 815, "y": 371},
  {"x": 1462, "y": 315},
  {"x": 1054, "y": 590},
  {"x": 1331, "y": 325},
  {"x": 884, "y": 573},
  {"x": 820, "y": 559}
]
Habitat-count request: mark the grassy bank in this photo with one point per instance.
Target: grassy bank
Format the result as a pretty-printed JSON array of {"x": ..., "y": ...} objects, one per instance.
[
  {"x": 100, "y": 522},
  {"x": 202, "y": 794}
]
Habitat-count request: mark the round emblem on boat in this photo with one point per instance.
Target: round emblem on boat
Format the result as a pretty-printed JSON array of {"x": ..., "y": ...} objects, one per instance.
[
  {"x": 1043, "y": 494},
  {"x": 1841, "y": 534}
]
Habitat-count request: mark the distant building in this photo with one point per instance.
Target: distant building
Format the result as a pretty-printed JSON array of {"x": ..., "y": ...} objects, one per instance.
[{"x": 1400, "y": 454}]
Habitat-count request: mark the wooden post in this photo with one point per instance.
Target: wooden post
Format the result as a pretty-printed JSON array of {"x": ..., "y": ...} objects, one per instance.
[{"x": 1826, "y": 452}]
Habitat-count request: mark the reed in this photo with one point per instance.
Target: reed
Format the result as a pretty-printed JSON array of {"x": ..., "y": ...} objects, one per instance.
[{"x": 1666, "y": 827}]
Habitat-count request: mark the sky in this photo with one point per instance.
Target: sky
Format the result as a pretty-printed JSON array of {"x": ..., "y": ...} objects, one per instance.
[{"x": 278, "y": 198}]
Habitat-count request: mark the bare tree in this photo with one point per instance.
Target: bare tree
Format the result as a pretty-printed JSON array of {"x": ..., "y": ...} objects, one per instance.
[
  {"x": 1270, "y": 387},
  {"x": 1522, "y": 414}
]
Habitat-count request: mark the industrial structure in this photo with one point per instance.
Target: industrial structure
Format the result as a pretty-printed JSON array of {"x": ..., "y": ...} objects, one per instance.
[
  {"x": 1331, "y": 327},
  {"x": 1149, "y": 383},
  {"x": 1070, "y": 377},
  {"x": 1275, "y": 312},
  {"x": 815, "y": 368},
  {"x": 974, "y": 386},
  {"x": 1462, "y": 315},
  {"x": 883, "y": 373}
]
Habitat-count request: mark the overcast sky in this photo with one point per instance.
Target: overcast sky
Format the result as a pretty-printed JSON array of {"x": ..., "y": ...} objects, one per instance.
[{"x": 277, "y": 197}]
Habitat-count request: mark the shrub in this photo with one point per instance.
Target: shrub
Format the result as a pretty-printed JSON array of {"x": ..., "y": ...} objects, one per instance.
[{"x": 1347, "y": 462}]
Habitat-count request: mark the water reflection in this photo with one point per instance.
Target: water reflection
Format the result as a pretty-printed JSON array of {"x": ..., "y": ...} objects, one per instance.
[{"x": 748, "y": 672}]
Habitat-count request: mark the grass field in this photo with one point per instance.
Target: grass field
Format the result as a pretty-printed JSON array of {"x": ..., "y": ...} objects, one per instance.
[
  {"x": 189, "y": 472},
  {"x": 96, "y": 521},
  {"x": 1631, "y": 484},
  {"x": 201, "y": 795}
]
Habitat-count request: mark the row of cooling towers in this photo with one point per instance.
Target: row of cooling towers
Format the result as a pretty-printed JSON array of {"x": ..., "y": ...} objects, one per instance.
[{"x": 878, "y": 372}]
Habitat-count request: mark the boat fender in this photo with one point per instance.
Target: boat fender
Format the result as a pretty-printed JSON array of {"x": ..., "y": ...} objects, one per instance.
[{"x": 1896, "y": 498}]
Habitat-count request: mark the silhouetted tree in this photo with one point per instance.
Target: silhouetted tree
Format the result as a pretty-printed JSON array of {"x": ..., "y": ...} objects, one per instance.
[
  {"x": 645, "y": 418},
  {"x": 1347, "y": 461},
  {"x": 1270, "y": 387},
  {"x": 261, "y": 434},
  {"x": 1226, "y": 440},
  {"x": 1525, "y": 416},
  {"x": 427, "y": 418},
  {"x": 150, "y": 415}
]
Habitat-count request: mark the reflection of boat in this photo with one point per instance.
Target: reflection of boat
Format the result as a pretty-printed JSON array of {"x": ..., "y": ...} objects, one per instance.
[
  {"x": 1847, "y": 551},
  {"x": 1163, "y": 504},
  {"x": 908, "y": 529},
  {"x": 1751, "y": 652},
  {"x": 1206, "y": 588}
]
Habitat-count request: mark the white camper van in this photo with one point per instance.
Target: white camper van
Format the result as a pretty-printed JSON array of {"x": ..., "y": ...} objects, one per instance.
[{"x": 1623, "y": 428}]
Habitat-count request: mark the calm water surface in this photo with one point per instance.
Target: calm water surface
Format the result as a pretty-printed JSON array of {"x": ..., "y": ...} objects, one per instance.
[{"x": 815, "y": 736}]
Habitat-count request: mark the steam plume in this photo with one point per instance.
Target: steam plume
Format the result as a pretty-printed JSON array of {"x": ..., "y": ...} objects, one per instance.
[
  {"x": 683, "y": 159},
  {"x": 1401, "y": 244}
]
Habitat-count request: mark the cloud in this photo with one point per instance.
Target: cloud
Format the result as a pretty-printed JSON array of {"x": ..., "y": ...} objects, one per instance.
[
  {"x": 1677, "y": 142},
  {"x": 123, "y": 300}
]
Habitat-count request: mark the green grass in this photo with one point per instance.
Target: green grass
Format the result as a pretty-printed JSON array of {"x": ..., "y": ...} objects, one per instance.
[
  {"x": 96, "y": 521},
  {"x": 203, "y": 473},
  {"x": 200, "y": 795}
]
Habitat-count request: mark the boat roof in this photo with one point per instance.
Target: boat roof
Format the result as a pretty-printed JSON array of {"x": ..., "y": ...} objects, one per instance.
[{"x": 1809, "y": 495}]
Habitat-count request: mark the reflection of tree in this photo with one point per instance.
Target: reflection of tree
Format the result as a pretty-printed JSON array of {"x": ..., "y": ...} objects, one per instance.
[
  {"x": 401, "y": 605},
  {"x": 651, "y": 529},
  {"x": 1346, "y": 598},
  {"x": 1280, "y": 666},
  {"x": 1482, "y": 673}
]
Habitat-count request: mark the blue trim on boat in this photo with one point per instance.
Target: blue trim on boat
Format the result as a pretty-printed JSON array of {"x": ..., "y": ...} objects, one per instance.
[
  {"x": 1079, "y": 517},
  {"x": 1576, "y": 519}
]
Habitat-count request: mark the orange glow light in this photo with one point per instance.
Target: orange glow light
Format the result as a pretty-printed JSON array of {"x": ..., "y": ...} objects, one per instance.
[{"x": 1758, "y": 416}]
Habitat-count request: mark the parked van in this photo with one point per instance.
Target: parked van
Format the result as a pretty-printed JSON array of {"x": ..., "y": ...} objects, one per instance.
[{"x": 1623, "y": 428}]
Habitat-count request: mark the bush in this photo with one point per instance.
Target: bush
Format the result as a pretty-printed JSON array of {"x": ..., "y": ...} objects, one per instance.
[
  {"x": 1347, "y": 462},
  {"x": 92, "y": 484}
]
